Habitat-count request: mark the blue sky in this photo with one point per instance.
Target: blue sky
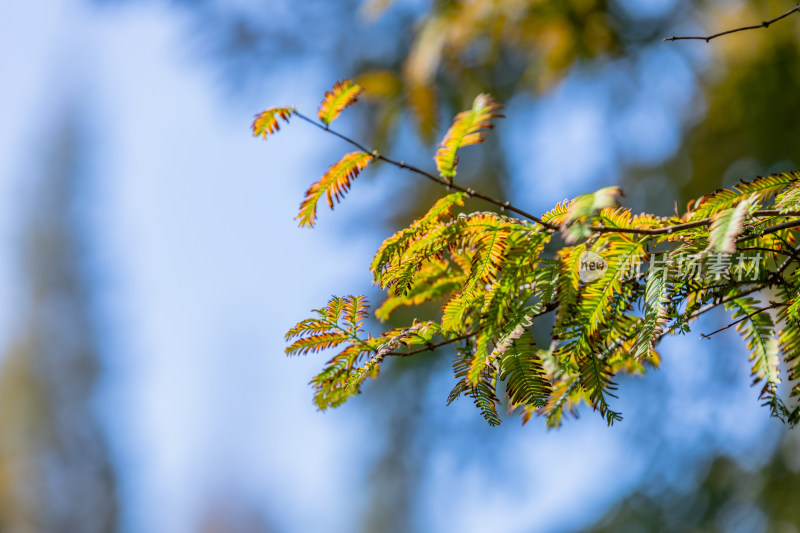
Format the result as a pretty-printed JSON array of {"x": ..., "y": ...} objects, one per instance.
[
  {"x": 198, "y": 255},
  {"x": 201, "y": 269}
]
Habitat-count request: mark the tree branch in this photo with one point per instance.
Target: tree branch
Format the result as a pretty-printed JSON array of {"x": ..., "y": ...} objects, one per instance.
[
  {"x": 765, "y": 24},
  {"x": 790, "y": 252}
]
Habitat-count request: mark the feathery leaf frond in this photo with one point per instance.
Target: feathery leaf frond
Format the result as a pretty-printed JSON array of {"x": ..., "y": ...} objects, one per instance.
[
  {"x": 656, "y": 297},
  {"x": 393, "y": 248},
  {"x": 483, "y": 393},
  {"x": 333, "y": 184},
  {"x": 522, "y": 370},
  {"x": 728, "y": 225},
  {"x": 789, "y": 199},
  {"x": 760, "y": 189},
  {"x": 481, "y": 360},
  {"x": 596, "y": 381},
  {"x": 266, "y": 122},
  {"x": 469, "y": 127},
  {"x": 435, "y": 279},
  {"x": 490, "y": 275},
  {"x": 336, "y": 324},
  {"x": 343, "y": 94},
  {"x": 757, "y": 328}
]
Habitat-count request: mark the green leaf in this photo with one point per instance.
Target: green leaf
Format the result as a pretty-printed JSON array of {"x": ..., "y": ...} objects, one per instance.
[
  {"x": 337, "y": 324},
  {"x": 482, "y": 393},
  {"x": 491, "y": 245},
  {"x": 521, "y": 369},
  {"x": 656, "y": 297},
  {"x": 596, "y": 381},
  {"x": 435, "y": 279},
  {"x": 426, "y": 231},
  {"x": 481, "y": 360},
  {"x": 789, "y": 340},
  {"x": 758, "y": 330},
  {"x": 788, "y": 201},
  {"x": 486, "y": 400}
]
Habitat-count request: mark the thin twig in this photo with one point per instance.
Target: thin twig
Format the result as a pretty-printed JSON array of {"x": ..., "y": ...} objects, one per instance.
[
  {"x": 708, "y": 307},
  {"x": 430, "y": 347},
  {"x": 790, "y": 252},
  {"x": 765, "y": 24},
  {"x": 448, "y": 185},
  {"x": 728, "y": 285},
  {"x": 772, "y": 305},
  {"x": 666, "y": 230},
  {"x": 763, "y": 249}
]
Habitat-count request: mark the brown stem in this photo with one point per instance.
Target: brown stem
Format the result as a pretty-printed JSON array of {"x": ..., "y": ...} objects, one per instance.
[
  {"x": 765, "y": 24},
  {"x": 772, "y": 305},
  {"x": 431, "y": 347},
  {"x": 447, "y": 184}
]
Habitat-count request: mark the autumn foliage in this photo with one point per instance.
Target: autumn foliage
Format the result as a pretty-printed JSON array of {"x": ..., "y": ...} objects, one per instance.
[{"x": 495, "y": 276}]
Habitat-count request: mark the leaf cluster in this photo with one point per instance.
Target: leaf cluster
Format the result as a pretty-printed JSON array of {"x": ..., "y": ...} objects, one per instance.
[{"x": 615, "y": 283}]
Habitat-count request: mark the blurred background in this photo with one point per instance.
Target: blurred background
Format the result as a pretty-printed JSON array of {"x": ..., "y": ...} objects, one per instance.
[{"x": 150, "y": 263}]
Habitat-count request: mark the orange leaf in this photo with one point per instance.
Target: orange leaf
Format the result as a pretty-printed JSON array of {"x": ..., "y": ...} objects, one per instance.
[
  {"x": 334, "y": 184},
  {"x": 469, "y": 127},
  {"x": 344, "y": 93},
  {"x": 266, "y": 122}
]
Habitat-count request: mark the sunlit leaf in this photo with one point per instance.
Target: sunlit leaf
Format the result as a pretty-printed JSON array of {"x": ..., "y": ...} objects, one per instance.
[
  {"x": 266, "y": 122},
  {"x": 343, "y": 94},
  {"x": 333, "y": 184},
  {"x": 469, "y": 127}
]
